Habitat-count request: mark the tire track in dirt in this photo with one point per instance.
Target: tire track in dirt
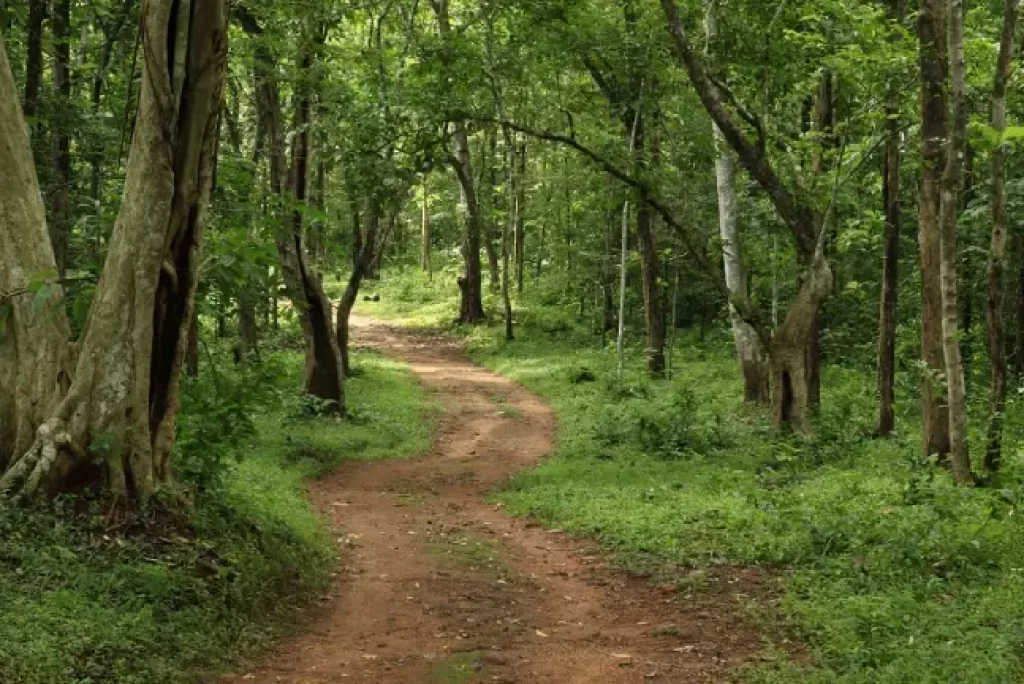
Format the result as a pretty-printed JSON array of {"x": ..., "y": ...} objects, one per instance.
[{"x": 439, "y": 586}]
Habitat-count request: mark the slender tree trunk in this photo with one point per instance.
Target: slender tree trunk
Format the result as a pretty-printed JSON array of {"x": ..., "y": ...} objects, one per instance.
[
  {"x": 890, "y": 256},
  {"x": 948, "y": 218},
  {"x": 520, "y": 229},
  {"x": 368, "y": 245},
  {"x": 490, "y": 164},
  {"x": 934, "y": 119},
  {"x": 753, "y": 361},
  {"x": 126, "y": 381},
  {"x": 425, "y": 230},
  {"x": 60, "y": 202},
  {"x": 34, "y": 60},
  {"x": 192, "y": 346},
  {"x": 997, "y": 255},
  {"x": 507, "y": 229}
]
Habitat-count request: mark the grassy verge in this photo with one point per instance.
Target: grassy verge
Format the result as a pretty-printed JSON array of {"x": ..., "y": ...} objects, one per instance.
[
  {"x": 206, "y": 575},
  {"x": 891, "y": 574}
]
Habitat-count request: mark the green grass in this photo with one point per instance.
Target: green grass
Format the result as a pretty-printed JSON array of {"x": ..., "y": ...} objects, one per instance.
[
  {"x": 206, "y": 575},
  {"x": 891, "y": 574}
]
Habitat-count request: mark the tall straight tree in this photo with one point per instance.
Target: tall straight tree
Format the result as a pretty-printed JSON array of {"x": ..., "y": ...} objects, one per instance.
[
  {"x": 996, "y": 336},
  {"x": 125, "y": 383},
  {"x": 890, "y": 252},
  {"x": 934, "y": 61},
  {"x": 949, "y": 214}
]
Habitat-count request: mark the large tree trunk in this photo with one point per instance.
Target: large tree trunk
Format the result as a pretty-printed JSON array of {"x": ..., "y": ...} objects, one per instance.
[
  {"x": 931, "y": 26},
  {"x": 324, "y": 378},
  {"x": 949, "y": 214},
  {"x": 996, "y": 338},
  {"x": 324, "y": 370},
  {"x": 890, "y": 257},
  {"x": 60, "y": 196},
  {"x": 125, "y": 385},
  {"x": 471, "y": 308},
  {"x": 793, "y": 348},
  {"x": 35, "y": 359}
]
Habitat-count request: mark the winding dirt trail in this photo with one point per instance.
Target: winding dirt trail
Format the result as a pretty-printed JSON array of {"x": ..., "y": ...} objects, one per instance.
[{"x": 441, "y": 587}]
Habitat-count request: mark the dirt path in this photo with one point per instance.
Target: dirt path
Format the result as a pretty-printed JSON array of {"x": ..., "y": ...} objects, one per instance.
[{"x": 441, "y": 587}]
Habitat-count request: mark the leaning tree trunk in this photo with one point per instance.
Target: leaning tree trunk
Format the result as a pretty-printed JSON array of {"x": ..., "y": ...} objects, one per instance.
[
  {"x": 35, "y": 359},
  {"x": 125, "y": 387},
  {"x": 324, "y": 371},
  {"x": 753, "y": 361},
  {"x": 934, "y": 115},
  {"x": 368, "y": 245},
  {"x": 996, "y": 336},
  {"x": 323, "y": 377}
]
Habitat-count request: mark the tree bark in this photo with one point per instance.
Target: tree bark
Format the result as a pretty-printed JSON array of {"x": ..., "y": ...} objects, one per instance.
[
  {"x": 890, "y": 256},
  {"x": 425, "y": 262},
  {"x": 364, "y": 257},
  {"x": 125, "y": 384},
  {"x": 35, "y": 359},
  {"x": 471, "y": 308},
  {"x": 60, "y": 196},
  {"x": 324, "y": 376},
  {"x": 949, "y": 212},
  {"x": 753, "y": 361},
  {"x": 996, "y": 337},
  {"x": 520, "y": 229},
  {"x": 34, "y": 60},
  {"x": 931, "y": 24},
  {"x": 793, "y": 369}
]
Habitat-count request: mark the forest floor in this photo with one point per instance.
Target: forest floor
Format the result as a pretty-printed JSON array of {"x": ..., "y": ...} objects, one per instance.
[{"x": 440, "y": 586}]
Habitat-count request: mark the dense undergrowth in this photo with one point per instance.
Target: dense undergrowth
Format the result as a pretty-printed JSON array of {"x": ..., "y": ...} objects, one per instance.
[
  {"x": 209, "y": 572},
  {"x": 890, "y": 573}
]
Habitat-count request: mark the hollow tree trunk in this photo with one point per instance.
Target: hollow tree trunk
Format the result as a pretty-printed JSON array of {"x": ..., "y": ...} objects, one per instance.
[
  {"x": 890, "y": 256},
  {"x": 996, "y": 338},
  {"x": 949, "y": 212},
  {"x": 125, "y": 383},
  {"x": 792, "y": 350},
  {"x": 934, "y": 115},
  {"x": 60, "y": 195}
]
